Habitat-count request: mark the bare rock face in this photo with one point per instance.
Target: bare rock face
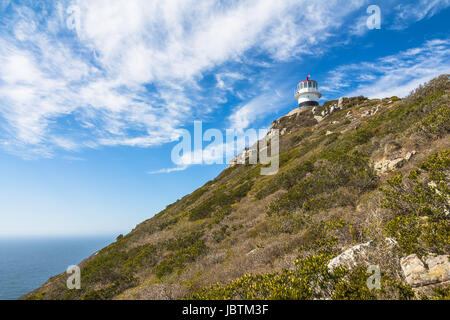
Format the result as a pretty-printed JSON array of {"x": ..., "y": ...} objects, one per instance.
[
  {"x": 341, "y": 102},
  {"x": 384, "y": 166},
  {"x": 294, "y": 112},
  {"x": 244, "y": 156},
  {"x": 370, "y": 112},
  {"x": 361, "y": 253},
  {"x": 387, "y": 165},
  {"x": 348, "y": 257},
  {"x": 318, "y": 118},
  {"x": 430, "y": 270}
]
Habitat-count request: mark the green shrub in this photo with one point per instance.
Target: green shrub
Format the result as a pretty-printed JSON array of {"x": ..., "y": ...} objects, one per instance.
[
  {"x": 167, "y": 223},
  {"x": 286, "y": 179},
  {"x": 301, "y": 136},
  {"x": 406, "y": 230},
  {"x": 335, "y": 168},
  {"x": 441, "y": 293},
  {"x": 109, "y": 292},
  {"x": 220, "y": 234},
  {"x": 104, "y": 267},
  {"x": 420, "y": 205},
  {"x": 354, "y": 287},
  {"x": 360, "y": 136},
  {"x": 310, "y": 280},
  {"x": 139, "y": 257},
  {"x": 183, "y": 241},
  {"x": 221, "y": 198},
  {"x": 37, "y": 296},
  {"x": 437, "y": 123},
  {"x": 221, "y": 213},
  {"x": 321, "y": 237},
  {"x": 179, "y": 259}
]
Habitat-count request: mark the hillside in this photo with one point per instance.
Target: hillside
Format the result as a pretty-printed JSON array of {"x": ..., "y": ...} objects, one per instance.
[{"x": 370, "y": 176}]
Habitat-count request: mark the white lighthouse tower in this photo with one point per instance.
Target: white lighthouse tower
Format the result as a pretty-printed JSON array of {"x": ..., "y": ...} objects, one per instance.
[{"x": 307, "y": 93}]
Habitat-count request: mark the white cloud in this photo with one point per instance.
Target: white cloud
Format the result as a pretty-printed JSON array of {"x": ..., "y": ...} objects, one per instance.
[
  {"x": 168, "y": 170},
  {"x": 72, "y": 158},
  {"x": 360, "y": 28},
  {"x": 131, "y": 72},
  {"x": 226, "y": 80},
  {"x": 392, "y": 75},
  {"x": 416, "y": 11},
  {"x": 261, "y": 105}
]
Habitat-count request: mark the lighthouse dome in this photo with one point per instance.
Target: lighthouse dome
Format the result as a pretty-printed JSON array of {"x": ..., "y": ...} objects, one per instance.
[{"x": 307, "y": 93}]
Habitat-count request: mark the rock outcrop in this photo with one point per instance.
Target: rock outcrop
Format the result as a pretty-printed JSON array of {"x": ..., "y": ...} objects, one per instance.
[
  {"x": 348, "y": 258},
  {"x": 360, "y": 253},
  {"x": 386, "y": 165},
  {"x": 297, "y": 118},
  {"x": 341, "y": 103},
  {"x": 370, "y": 112},
  {"x": 430, "y": 270}
]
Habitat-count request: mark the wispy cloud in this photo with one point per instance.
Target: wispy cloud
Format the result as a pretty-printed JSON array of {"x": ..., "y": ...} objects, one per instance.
[
  {"x": 226, "y": 80},
  {"x": 168, "y": 170},
  {"x": 391, "y": 75},
  {"x": 406, "y": 13},
  {"x": 133, "y": 72},
  {"x": 72, "y": 158},
  {"x": 129, "y": 73},
  {"x": 267, "y": 102}
]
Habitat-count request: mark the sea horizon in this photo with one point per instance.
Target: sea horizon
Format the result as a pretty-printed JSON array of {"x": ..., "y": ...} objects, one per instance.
[{"x": 27, "y": 262}]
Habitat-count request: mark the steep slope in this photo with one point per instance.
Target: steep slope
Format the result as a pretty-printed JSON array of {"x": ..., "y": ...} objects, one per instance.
[{"x": 351, "y": 171}]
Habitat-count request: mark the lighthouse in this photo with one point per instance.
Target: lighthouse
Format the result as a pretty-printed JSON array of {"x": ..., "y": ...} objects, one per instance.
[{"x": 307, "y": 93}]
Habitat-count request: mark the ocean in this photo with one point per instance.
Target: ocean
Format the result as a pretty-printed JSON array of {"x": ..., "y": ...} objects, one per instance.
[{"x": 27, "y": 263}]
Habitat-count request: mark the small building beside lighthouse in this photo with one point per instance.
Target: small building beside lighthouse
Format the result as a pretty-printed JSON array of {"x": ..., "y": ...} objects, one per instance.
[{"x": 307, "y": 93}]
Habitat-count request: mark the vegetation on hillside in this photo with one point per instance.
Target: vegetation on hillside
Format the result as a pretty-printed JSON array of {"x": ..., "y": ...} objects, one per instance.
[
  {"x": 311, "y": 279},
  {"x": 247, "y": 236},
  {"x": 421, "y": 206}
]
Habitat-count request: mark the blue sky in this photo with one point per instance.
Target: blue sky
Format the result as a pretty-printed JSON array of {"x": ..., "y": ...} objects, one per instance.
[{"x": 95, "y": 94}]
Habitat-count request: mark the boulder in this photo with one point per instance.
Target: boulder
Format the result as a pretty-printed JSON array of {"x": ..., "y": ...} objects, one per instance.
[
  {"x": 386, "y": 165},
  {"x": 318, "y": 118},
  {"x": 374, "y": 110},
  {"x": 366, "y": 113},
  {"x": 409, "y": 155},
  {"x": 348, "y": 258},
  {"x": 294, "y": 112},
  {"x": 363, "y": 253},
  {"x": 430, "y": 270},
  {"x": 334, "y": 108}
]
